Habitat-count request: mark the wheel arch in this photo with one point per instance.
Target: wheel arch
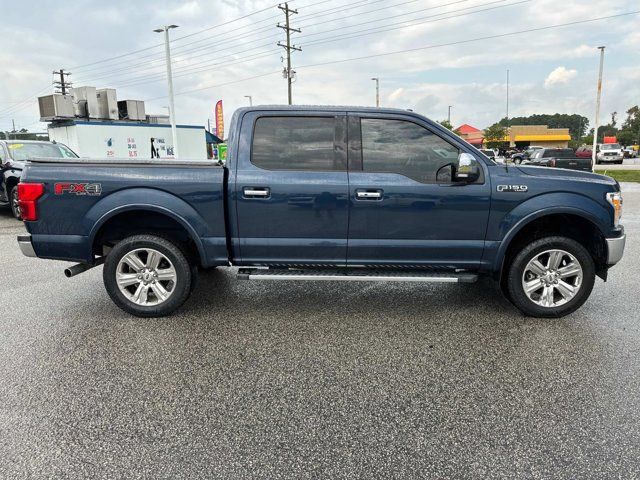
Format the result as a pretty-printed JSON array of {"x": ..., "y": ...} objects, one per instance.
[
  {"x": 165, "y": 223},
  {"x": 570, "y": 222}
]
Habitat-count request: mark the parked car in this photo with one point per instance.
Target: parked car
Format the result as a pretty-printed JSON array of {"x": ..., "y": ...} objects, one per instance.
[
  {"x": 560, "y": 158},
  {"x": 630, "y": 152},
  {"x": 609, "y": 153},
  {"x": 520, "y": 157},
  {"x": 584, "y": 152},
  {"x": 327, "y": 193},
  {"x": 13, "y": 155}
]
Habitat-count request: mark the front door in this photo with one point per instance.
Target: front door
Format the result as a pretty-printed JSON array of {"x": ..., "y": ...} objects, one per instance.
[
  {"x": 405, "y": 209},
  {"x": 291, "y": 189}
]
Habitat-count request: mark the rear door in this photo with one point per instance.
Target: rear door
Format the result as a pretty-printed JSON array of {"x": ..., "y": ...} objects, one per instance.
[
  {"x": 405, "y": 210},
  {"x": 291, "y": 189}
]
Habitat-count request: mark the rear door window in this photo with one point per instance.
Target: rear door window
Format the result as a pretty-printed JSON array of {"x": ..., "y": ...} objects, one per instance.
[{"x": 296, "y": 143}]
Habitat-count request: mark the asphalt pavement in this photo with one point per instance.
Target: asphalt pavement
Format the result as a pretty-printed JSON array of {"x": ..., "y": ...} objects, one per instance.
[{"x": 316, "y": 380}]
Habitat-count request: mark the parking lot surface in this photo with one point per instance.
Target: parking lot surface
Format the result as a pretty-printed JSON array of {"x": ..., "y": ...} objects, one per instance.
[{"x": 322, "y": 380}]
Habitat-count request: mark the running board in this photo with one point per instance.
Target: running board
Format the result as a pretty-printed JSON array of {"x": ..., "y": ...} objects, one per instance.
[{"x": 356, "y": 275}]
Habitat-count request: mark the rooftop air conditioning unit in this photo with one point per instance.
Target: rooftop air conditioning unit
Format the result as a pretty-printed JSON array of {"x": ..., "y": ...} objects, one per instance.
[
  {"x": 86, "y": 102},
  {"x": 132, "y": 110},
  {"x": 107, "y": 104},
  {"x": 56, "y": 106}
]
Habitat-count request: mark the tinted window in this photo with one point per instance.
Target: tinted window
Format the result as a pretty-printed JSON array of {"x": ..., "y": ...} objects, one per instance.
[
  {"x": 295, "y": 143},
  {"x": 398, "y": 146}
]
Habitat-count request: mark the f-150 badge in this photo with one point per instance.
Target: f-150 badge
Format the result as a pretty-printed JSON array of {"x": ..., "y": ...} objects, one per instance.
[
  {"x": 513, "y": 188},
  {"x": 93, "y": 189}
]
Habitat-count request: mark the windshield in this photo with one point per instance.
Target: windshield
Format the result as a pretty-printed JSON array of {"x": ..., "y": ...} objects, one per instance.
[
  {"x": 488, "y": 153},
  {"x": 25, "y": 151},
  {"x": 610, "y": 146}
]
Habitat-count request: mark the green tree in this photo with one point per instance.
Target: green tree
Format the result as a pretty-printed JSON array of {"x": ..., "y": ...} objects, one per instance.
[
  {"x": 630, "y": 132},
  {"x": 446, "y": 124},
  {"x": 494, "y": 135}
]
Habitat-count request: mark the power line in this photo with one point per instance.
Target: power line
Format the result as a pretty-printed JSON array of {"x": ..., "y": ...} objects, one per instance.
[
  {"x": 397, "y": 52},
  {"x": 208, "y": 62},
  {"x": 471, "y": 40},
  {"x": 400, "y": 25},
  {"x": 116, "y": 57},
  {"x": 177, "y": 51}
]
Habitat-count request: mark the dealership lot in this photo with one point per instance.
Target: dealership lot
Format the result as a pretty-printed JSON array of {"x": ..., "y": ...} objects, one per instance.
[{"x": 321, "y": 380}]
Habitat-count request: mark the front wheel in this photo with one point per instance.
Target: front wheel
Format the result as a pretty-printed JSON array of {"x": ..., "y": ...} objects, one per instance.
[
  {"x": 551, "y": 277},
  {"x": 148, "y": 276}
]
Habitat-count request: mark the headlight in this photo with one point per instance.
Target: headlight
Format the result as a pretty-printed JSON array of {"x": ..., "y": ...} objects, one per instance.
[{"x": 615, "y": 199}]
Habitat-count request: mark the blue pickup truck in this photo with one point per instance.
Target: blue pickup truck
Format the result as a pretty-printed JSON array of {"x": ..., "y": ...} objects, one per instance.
[{"x": 326, "y": 193}]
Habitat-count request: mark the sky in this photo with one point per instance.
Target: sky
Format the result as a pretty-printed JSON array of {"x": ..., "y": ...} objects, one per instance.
[{"x": 428, "y": 54}]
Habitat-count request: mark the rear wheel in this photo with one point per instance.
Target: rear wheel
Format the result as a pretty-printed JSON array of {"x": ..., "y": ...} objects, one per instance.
[
  {"x": 15, "y": 205},
  {"x": 551, "y": 277},
  {"x": 148, "y": 276}
]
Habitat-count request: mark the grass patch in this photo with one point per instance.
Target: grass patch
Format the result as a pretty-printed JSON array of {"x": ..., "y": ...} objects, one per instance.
[{"x": 622, "y": 175}]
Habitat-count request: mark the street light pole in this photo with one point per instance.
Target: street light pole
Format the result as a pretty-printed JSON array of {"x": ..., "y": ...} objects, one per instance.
[
  {"x": 449, "y": 115},
  {"x": 172, "y": 110},
  {"x": 250, "y": 99},
  {"x": 377, "y": 80},
  {"x": 598, "y": 94}
]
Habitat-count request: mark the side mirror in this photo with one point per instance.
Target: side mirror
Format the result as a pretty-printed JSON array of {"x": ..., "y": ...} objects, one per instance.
[{"x": 468, "y": 169}]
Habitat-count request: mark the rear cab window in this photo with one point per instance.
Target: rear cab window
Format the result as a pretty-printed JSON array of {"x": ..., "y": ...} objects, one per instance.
[{"x": 296, "y": 143}]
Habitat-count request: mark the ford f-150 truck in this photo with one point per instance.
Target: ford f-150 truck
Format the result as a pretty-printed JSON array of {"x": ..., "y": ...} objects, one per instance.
[{"x": 327, "y": 193}]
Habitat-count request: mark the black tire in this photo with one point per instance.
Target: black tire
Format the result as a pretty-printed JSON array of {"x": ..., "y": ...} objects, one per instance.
[
  {"x": 13, "y": 203},
  {"x": 516, "y": 270},
  {"x": 185, "y": 275}
]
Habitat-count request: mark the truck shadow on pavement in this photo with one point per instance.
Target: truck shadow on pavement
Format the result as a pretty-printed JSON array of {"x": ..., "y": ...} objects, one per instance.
[{"x": 220, "y": 294}]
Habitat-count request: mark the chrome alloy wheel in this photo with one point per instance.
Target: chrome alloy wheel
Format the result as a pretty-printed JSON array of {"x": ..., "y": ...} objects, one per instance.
[
  {"x": 146, "y": 277},
  {"x": 552, "y": 278}
]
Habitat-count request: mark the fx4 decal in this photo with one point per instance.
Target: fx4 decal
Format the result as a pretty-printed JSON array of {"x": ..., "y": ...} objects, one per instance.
[
  {"x": 93, "y": 189},
  {"x": 512, "y": 188}
]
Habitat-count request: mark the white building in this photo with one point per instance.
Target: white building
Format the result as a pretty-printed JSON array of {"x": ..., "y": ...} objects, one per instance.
[{"x": 100, "y": 139}]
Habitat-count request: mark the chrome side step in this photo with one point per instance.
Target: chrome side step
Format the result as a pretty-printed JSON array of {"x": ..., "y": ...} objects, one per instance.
[{"x": 356, "y": 275}]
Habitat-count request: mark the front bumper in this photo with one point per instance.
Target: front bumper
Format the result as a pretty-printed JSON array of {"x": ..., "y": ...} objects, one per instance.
[
  {"x": 26, "y": 247},
  {"x": 615, "y": 249}
]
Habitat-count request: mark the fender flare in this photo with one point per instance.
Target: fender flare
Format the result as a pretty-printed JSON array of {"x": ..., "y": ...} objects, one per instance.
[
  {"x": 104, "y": 212},
  {"x": 590, "y": 216}
]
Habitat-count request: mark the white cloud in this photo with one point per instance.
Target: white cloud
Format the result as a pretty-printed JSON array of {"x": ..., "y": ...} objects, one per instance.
[{"x": 560, "y": 75}]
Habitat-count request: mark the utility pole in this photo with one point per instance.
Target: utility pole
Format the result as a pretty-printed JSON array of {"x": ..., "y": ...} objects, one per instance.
[
  {"x": 507, "y": 98},
  {"x": 63, "y": 84},
  {"x": 377, "y": 80},
  {"x": 250, "y": 99},
  {"x": 172, "y": 110},
  {"x": 449, "y": 115},
  {"x": 508, "y": 133},
  {"x": 288, "y": 73},
  {"x": 597, "y": 123}
]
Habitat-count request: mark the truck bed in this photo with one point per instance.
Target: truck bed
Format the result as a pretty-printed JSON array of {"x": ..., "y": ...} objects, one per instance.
[{"x": 191, "y": 193}]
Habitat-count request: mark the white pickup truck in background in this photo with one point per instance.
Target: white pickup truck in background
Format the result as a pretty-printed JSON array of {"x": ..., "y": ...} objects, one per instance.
[{"x": 609, "y": 153}]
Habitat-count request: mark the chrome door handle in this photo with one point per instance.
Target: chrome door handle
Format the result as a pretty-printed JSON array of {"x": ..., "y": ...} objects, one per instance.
[
  {"x": 256, "y": 192},
  {"x": 369, "y": 195}
]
